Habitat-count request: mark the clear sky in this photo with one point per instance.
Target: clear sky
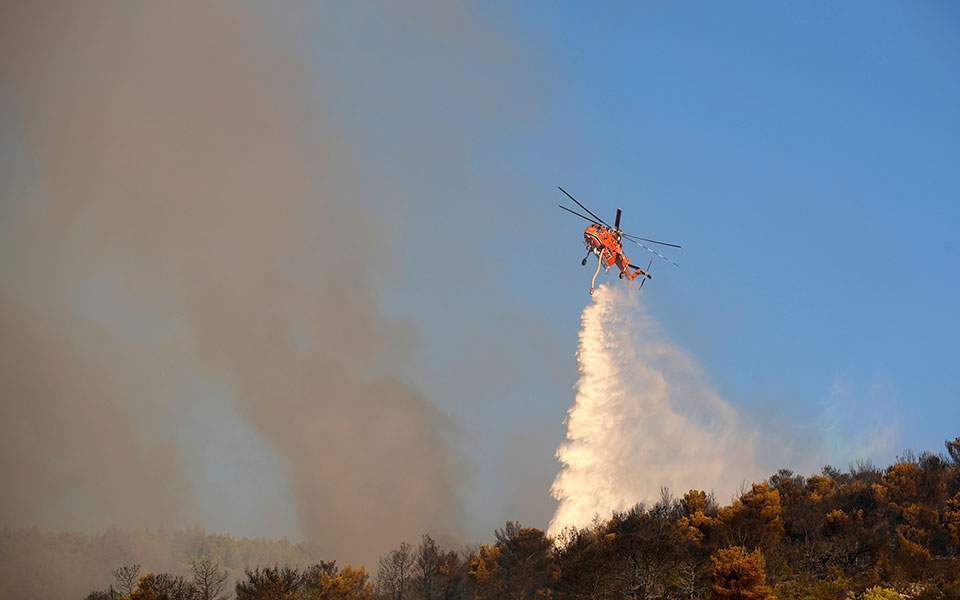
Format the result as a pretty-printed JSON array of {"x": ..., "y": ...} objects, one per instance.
[{"x": 807, "y": 157}]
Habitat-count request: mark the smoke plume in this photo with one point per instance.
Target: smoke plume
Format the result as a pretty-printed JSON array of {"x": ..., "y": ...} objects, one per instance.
[
  {"x": 644, "y": 418},
  {"x": 186, "y": 235}
]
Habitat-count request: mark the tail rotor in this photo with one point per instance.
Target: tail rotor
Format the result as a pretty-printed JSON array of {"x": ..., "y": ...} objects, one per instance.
[{"x": 647, "y": 273}]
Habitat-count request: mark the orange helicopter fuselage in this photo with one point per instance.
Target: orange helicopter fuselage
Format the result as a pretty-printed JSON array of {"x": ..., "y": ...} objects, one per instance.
[{"x": 606, "y": 244}]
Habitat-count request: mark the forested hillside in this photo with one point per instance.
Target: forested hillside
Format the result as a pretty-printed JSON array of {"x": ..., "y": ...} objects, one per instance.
[
  {"x": 38, "y": 565},
  {"x": 864, "y": 533}
]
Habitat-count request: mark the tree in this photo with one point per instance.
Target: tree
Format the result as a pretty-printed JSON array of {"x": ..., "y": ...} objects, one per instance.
[
  {"x": 952, "y": 518},
  {"x": 739, "y": 575},
  {"x": 688, "y": 580},
  {"x": 322, "y": 581},
  {"x": 426, "y": 568},
  {"x": 436, "y": 574},
  {"x": 163, "y": 587},
  {"x": 881, "y": 593},
  {"x": 586, "y": 560},
  {"x": 900, "y": 483},
  {"x": 698, "y": 520},
  {"x": 395, "y": 573},
  {"x": 317, "y": 576},
  {"x": 755, "y": 518},
  {"x": 525, "y": 559},
  {"x": 953, "y": 449},
  {"x": 127, "y": 577},
  {"x": 270, "y": 583},
  {"x": 485, "y": 572},
  {"x": 519, "y": 565},
  {"x": 326, "y": 582},
  {"x": 351, "y": 584},
  {"x": 208, "y": 579},
  {"x": 453, "y": 576},
  {"x": 649, "y": 545}
]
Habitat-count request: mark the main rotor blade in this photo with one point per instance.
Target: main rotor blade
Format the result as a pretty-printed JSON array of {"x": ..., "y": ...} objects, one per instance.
[
  {"x": 635, "y": 237},
  {"x": 583, "y": 207},
  {"x": 649, "y": 249},
  {"x": 578, "y": 214}
]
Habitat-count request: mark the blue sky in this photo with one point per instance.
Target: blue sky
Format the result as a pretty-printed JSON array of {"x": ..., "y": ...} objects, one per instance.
[{"x": 806, "y": 155}]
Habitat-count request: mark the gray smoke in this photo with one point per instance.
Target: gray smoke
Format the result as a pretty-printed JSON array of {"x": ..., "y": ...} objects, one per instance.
[{"x": 185, "y": 234}]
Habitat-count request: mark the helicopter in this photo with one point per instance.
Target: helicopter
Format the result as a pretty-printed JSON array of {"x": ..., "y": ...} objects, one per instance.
[{"x": 605, "y": 242}]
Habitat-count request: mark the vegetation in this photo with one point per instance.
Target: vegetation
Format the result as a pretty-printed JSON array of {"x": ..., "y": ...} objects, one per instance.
[
  {"x": 43, "y": 565},
  {"x": 865, "y": 534}
]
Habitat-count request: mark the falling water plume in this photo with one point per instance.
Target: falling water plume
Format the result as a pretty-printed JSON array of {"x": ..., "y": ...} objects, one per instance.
[{"x": 644, "y": 418}]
